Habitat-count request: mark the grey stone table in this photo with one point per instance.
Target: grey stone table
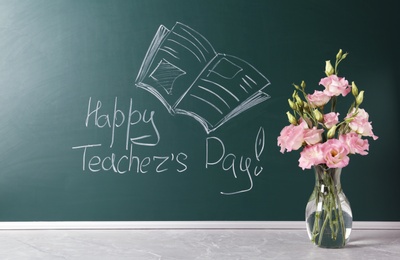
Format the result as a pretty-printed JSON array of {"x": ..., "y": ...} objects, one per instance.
[{"x": 171, "y": 244}]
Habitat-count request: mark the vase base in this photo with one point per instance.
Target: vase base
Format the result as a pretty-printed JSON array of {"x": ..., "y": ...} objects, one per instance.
[{"x": 327, "y": 241}]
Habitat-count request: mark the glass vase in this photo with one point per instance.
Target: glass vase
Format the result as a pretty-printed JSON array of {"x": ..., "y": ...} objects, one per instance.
[{"x": 328, "y": 214}]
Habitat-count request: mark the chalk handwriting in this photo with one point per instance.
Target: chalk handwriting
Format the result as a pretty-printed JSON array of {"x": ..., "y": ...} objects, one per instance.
[
  {"x": 123, "y": 121},
  {"x": 130, "y": 162},
  {"x": 118, "y": 118},
  {"x": 127, "y": 120},
  {"x": 230, "y": 162}
]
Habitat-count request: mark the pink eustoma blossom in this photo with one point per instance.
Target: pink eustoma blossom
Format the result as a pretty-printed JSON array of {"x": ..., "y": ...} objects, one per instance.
[
  {"x": 310, "y": 156},
  {"x": 335, "y": 86},
  {"x": 360, "y": 123},
  {"x": 331, "y": 119},
  {"x": 313, "y": 136},
  {"x": 335, "y": 153},
  {"x": 318, "y": 99},
  {"x": 355, "y": 143},
  {"x": 291, "y": 138}
]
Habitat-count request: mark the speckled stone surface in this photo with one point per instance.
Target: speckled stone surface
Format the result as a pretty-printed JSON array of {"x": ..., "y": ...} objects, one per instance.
[{"x": 191, "y": 244}]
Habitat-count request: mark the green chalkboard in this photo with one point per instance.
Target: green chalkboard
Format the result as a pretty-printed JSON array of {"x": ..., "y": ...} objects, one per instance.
[{"x": 99, "y": 119}]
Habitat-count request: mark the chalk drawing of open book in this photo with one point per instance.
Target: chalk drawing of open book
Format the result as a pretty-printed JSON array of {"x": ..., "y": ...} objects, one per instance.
[{"x": 182, "y": 69}]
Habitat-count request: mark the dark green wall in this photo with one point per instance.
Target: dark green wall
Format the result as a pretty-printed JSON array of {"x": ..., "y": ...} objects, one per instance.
[{"x": 56, "y": 56}]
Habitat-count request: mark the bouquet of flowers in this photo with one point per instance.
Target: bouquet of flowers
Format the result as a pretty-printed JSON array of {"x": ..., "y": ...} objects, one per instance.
[
  {"x": 324, "y": 138},
  {"x": 327, "y": 143}
]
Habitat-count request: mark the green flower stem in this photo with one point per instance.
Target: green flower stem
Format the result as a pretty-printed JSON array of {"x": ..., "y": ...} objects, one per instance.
[
  {"x": 316, "y": 228},
  {"x": 332, "y": 205},
  {"x": 332, "y": 214},
  {"x": 341, "y": 218}
]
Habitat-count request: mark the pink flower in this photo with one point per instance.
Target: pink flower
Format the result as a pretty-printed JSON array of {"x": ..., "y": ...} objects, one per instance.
[
  {"x": 311, "y": 155},
  {"x": 355, "y": 143},
  {"x": 335, "y": 153},
  {"x": 331, "y": 119},
  {"x": 291, "y": 138},
  {"x": 360, "y": 123},
  {"x": 334, "y": 86},
  {"x": 313, "y": 136},
  {"x": 318, "y": 99}
]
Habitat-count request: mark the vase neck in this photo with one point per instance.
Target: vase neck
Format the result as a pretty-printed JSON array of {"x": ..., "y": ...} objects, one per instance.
[{"x": 325, "y": 175}]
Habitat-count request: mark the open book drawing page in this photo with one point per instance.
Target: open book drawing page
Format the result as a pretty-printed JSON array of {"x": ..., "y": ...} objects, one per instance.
[{"x": 189, "y": 77}]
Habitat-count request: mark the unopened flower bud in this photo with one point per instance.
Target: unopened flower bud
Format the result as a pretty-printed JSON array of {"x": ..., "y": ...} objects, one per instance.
[
  {"x": 298, "y": 99},
  {"x": 303, "y": 85},
  {"x": 299, "y": 105},
  {"x": 318, "y": 115},
  {"x": 296, "y": 87},
  {"x": 331, "y": 132},
  {"x": 344, "y": 56},
  {"x": 339, "y": 54},
  {"x": 354, "y": 89},
  {"x": 360, "y": 98},
  {"x": 291, "y": 118},
  {"x": 292, "y": 104},
  {"x": 329, "y": 70},
  {"x": 294, "y": 94}
]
